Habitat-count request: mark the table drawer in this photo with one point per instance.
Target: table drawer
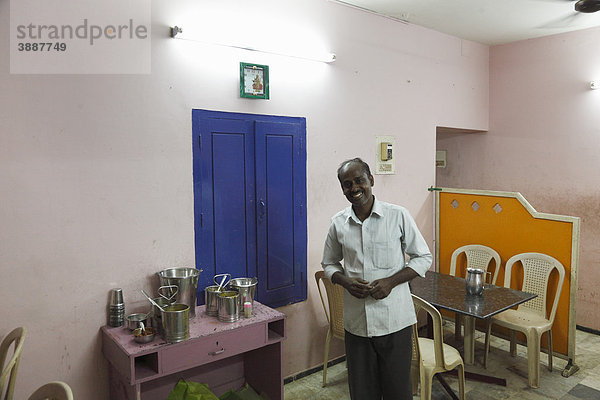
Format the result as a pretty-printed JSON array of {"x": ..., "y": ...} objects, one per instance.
[{"x": 212, "y": 348}]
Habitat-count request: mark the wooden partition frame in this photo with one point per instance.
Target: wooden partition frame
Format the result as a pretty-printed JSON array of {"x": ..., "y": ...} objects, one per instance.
[{"x": 506, "y": 222}]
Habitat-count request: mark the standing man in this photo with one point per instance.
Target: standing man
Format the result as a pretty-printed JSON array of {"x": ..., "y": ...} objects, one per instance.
[{"x": 374, "y": 238}]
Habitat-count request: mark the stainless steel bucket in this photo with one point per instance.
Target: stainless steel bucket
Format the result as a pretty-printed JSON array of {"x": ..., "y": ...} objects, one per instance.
[
  {"x": 175, "y": 323},
  {"x": 229, "y": 306},
  {"x": 186, "y": 279},
  {"x": 246, "y": 287}
]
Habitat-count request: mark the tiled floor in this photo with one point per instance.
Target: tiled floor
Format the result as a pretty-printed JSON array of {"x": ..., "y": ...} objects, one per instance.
[{"x": 584, "y": 384}]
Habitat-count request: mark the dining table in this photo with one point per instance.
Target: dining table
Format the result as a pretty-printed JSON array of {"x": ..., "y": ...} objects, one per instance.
[{"x": 449, "y": 292}]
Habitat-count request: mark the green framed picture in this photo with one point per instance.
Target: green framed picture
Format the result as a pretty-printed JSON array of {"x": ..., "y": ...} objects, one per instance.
[{"x": 254, "y": 81}]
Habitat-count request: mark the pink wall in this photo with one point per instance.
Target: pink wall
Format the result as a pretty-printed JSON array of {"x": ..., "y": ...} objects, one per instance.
[
  {"x": 96, "y": 171},
  {"x": 543, "y": 141}
]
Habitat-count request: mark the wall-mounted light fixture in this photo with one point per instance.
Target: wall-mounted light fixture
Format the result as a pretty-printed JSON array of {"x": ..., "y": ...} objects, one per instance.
[
  {"x": 175, "y": 31},
  {"x": 178, "y": 33},
  {"x": 595, "y": 85}
]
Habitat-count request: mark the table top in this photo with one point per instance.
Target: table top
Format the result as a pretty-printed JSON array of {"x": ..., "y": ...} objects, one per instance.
[
  {"x": 449, "y": 292},
  {"x": 201, "y": 326}
]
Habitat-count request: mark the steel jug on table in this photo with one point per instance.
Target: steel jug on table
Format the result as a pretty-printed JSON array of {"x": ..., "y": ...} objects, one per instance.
[{"x": 475, "y": 281}]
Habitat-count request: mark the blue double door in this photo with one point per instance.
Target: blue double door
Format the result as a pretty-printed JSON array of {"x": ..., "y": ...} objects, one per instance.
[{"x": 250, "y": 201}]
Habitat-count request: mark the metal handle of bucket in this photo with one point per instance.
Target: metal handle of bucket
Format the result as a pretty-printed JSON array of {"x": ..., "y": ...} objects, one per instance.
[
  {"x": 170, "y": 287},
  {"x": 224, "y": 280}
]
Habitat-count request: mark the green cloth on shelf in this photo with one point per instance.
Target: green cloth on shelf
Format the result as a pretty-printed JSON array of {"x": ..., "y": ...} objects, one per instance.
[
  {"x": 186, "y": 390},
  {"x": 230, "y": 395},
  {"x": 247, "y": 393}
]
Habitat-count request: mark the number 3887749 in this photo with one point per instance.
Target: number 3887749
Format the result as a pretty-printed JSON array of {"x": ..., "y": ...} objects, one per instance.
[{"x": 41, "y": 46}]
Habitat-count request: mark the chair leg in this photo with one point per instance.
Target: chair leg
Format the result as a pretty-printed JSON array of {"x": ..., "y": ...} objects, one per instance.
[
  {"x": 550, "y": 350},
  {"x": 488, "y": 332},
  {"x": 326, "y": 357},
  {"x": 426, "y": 383},
  {"x": 513, "y": 343},
  {"x": 461, "y": 382},
  {"x": 414, "y": 377},
  {"x": 457, "y": 322},
  {"x": 533, "y": 358}
]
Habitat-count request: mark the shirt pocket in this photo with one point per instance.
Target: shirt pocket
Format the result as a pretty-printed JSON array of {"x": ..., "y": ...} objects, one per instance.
[
  {"x": 382, "y": 254},
  {"x": 386, "y": 251}
]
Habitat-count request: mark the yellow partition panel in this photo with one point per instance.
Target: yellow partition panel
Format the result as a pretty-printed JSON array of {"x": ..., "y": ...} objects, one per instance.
[{"x": 506, "y": 222}]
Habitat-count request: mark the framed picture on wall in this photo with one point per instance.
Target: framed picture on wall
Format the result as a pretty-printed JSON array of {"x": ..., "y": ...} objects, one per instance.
[{"x": 254, "y": 81}]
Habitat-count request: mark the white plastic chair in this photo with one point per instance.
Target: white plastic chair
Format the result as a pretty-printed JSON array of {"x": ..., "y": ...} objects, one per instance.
[
  {"x": 531, "y": 317},
  {"x": 334, "y": 312},
  {"x": 478, "y": 256},
  {"x": 53, "y": 391},
  {"x": 9, "y": 371},
  {"x": 434, "y": 355}
]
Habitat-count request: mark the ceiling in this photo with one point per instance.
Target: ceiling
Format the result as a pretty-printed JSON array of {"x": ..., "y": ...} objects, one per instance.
[{"x": 489, "y": 22}]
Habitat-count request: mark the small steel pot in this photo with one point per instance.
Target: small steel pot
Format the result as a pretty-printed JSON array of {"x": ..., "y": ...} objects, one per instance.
[{"x": 133, "y": 320}]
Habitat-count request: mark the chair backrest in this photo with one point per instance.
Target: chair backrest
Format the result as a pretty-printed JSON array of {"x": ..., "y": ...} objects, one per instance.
[
  {"x": 53, "y": 391},
  {"x": 537, "y": 268},
  {"x": 478, "y": 256},
  {"x": 438, "y": 336},
  {"x": 9, "y": 370},
  {"x": 335, "y": 300}
]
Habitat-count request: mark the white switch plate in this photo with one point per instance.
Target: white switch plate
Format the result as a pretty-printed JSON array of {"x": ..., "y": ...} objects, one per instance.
[
  {"x": 440, "y": 158},
  {"x": 385, "y": 167}
]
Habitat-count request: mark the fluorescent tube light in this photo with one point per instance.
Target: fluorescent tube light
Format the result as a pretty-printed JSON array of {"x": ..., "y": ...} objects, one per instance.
[{"x": 178, "y": 33}]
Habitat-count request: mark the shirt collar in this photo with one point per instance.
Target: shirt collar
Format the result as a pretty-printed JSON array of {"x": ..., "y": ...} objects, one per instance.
[{"x": 377, "y": 209}]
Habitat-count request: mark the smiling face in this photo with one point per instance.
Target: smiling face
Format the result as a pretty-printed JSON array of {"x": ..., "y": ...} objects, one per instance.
[{"x": 357, "y": 186}]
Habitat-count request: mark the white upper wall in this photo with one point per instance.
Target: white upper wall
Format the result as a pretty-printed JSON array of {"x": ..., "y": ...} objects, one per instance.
[{"x": 96, "y": 174}]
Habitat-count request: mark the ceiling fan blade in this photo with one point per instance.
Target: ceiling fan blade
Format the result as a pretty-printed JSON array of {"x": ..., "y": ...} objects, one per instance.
[{"x": 587, "y": 6}]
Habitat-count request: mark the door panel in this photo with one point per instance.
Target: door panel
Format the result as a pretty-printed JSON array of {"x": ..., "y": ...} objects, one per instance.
[
  {"x": 225, "y": 239},
  {"x": 280, "y": 215},
  {"x": 229, "y": 205},
  {"x": 281, "y": 236}
]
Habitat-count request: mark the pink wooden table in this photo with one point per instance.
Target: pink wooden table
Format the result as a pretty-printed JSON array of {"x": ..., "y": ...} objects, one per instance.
[{"x": 224, "y": 355}]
